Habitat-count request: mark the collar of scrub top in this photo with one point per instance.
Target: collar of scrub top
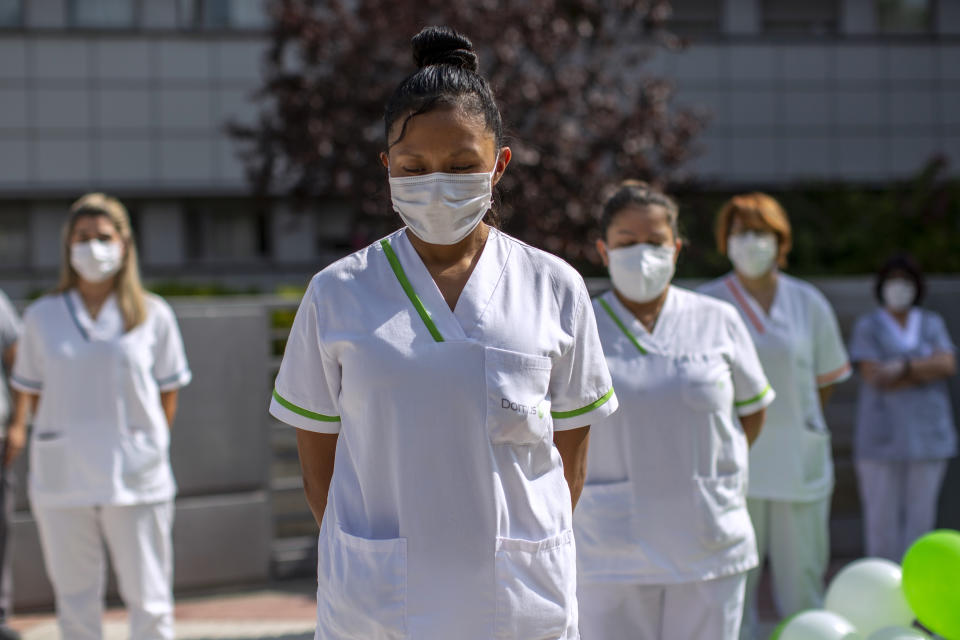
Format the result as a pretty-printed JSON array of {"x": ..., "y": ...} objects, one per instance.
[
  {"x": 425, "y": 296},
  {"x": 908, "y": 337},
  {"x": 633, "y": 329},
  {"x": 755, "y": 314},
  {"x": 497, "y": 247},
  {"x": 108, "y": 323}
]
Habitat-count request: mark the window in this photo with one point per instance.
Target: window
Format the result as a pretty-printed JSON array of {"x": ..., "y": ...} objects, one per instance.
[
  {"x": 904, "y": 16},
  {"x": 103, "y": 14},
  {"x": 810, "y": 17},
  {"x": 225, "y": 232},
  {"x": 11, "y": 13},
  {"x": 695, "y": 17},
  {"x": 223, "y": 14},
  {"x": 14, "y": 237}
]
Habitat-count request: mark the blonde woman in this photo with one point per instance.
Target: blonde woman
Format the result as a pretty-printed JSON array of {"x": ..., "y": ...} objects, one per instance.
[{"x": 101, "y": 361}]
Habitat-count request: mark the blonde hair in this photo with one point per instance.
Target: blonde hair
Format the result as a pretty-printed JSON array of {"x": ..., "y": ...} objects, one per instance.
[
  {"x": 127, "y": 286},
  {"x": 760, "y": 210}
]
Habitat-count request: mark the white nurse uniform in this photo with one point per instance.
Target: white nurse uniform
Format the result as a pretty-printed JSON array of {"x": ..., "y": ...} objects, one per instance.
[{"x": 448, "y": 514}]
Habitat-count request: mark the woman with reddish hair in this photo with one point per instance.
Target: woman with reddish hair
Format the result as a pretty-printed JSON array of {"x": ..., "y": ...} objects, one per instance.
[{"x": 799, "y": 343}]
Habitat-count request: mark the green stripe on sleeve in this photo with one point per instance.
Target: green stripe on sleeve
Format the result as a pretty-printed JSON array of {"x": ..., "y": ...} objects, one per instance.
[
  {"x": 408, "y": 289},
  {"x": 300, "y": 411},
  {"x": 559, "y": 415},
  {"x": 623, "y": 327},
  {"x": 755, "y": 398}
]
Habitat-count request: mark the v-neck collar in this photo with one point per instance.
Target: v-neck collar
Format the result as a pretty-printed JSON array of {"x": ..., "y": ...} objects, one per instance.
[
  {"x": 908, "y": 337},
  {"x": 475, "y": 297},
  {"x": 756, "y": 316},
  {"x": 645, "y": 341},
  {"x": 108, "y": 323}
]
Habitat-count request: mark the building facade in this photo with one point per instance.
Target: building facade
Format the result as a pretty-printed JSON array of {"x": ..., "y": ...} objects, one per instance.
[{"x": 131, "y": 97}]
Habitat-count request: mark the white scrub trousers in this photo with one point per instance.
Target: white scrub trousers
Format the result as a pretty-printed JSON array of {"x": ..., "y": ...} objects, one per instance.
[
  {"x": 899, "y": 503},
  {"x": 703, "y": 610},
  {"x": 796, "y": 538},
  {"x": 138, "y": 539}
]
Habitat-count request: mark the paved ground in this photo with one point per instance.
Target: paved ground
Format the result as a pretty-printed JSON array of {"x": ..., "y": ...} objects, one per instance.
[{"x": 284, "y": 611}]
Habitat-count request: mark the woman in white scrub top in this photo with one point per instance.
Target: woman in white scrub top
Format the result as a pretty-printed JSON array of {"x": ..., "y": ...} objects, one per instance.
[
  {"x": 442, "y": 381},
  {"x": 663, "y": 534},
  {"x": 801, "y": 349},
  {"x": 101, "y": 362}
]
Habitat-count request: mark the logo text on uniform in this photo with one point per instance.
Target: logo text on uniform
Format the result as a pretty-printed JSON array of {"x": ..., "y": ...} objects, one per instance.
[{"x": 523, "y": 409}]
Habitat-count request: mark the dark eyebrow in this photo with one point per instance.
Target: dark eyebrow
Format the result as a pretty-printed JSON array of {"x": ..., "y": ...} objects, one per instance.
[{"x": 412, "y": 154}]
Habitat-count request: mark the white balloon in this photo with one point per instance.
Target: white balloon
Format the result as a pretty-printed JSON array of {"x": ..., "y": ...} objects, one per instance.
[
  {"x": 869, "y": 594},
  {"x": 898, "y": 633},
  {"x": 818, "y": 624}
]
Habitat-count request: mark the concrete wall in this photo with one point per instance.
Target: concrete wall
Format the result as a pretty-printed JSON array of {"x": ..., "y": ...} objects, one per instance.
[
  {"x": 125, "y": 112},
  {"x": 144, "y": 113},
  {"x": 142, "y": 110},
  {"x": 221, "y": 458},
  {"x": 837, "y": 110}
]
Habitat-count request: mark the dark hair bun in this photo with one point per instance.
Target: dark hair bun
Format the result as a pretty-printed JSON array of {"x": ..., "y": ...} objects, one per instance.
[{"x": 443, "y": 45}]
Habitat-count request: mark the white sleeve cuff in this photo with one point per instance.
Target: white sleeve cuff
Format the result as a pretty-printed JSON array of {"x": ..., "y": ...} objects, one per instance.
[
  {"x": 176, "y": 381},
  {"x": 760, "y": 401},
  {"x": 285, "y": 411},
  {"x": 835, "y": 377},
  {"x": 26, "y": 386},
  {"x": 600, "y": 408}
]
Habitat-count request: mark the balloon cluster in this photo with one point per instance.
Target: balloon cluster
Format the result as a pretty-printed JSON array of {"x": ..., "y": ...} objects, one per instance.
[{"x": 874, "y": 599}]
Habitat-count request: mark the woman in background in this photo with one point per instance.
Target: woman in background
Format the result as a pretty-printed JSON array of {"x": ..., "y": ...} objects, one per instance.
[
  {"x": 799, "y": 344},
  {"x": 905, "y": 431},
  {"x": 663, "y": 535},
  {"x": 101, "y": 362}
]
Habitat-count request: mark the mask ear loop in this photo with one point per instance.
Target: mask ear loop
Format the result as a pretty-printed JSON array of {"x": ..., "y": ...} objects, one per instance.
[{"x": 493, "y": 173}]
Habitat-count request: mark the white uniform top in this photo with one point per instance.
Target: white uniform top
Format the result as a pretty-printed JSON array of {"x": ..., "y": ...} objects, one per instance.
[
  {"x": 801, "y": 349},
  {"x": 665, "y": 499},
  {"x": 100, "y": 436},
  {"x": 449, "y": 515}
]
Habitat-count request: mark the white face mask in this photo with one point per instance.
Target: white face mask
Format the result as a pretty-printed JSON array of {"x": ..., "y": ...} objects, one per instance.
[
  {"x": 442, "y": 208},
  {"x": 898, "y": 294},
  {"x": 752, "y": 254},
  {"x": 641, "y": 272},
  {"x": 96, "y": 261}
]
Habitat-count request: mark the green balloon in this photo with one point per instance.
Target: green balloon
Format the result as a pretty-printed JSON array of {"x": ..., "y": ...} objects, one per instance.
[{"x": 930, "y": 581}]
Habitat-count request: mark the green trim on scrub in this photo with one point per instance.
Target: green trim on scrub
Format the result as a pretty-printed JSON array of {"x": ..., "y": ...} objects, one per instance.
[
  {"x": 755, "y": 398},
  {"x": 408, "y": 289},
  {"x": 559, "y": 415},
  {"x": 623, "y": 327},
  {"x": 319, "y": 417}
]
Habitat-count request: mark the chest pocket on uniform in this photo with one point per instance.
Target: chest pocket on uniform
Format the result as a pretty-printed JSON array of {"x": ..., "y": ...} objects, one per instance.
[
  {"x": 706, "y": 384},
  {"x": 518, "y": 412}
]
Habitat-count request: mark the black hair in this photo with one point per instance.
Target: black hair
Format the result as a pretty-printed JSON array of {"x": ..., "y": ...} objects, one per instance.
[
  {"x": 447, "y": 76},
  {"x": 901, "y": 263},
  {"x": 638, "y": 193}
]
